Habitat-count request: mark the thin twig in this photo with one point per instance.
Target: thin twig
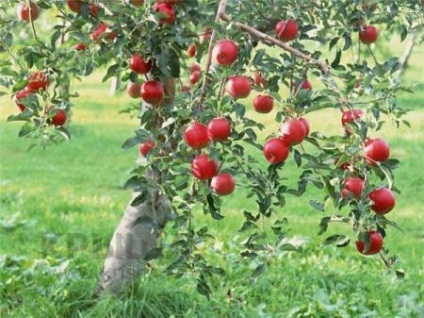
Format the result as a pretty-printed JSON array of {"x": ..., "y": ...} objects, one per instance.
[
  {"x": 220, "y": 12},
  {"x": 31, "y": 21},
  {"x": 266, "y": 38},
  {"x": 11, "y": 54}
]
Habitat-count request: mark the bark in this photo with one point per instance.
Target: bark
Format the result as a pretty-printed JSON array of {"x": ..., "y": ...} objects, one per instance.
[
  {"x": 133, "y": 243},
  {"x": 407, "y": 52}
]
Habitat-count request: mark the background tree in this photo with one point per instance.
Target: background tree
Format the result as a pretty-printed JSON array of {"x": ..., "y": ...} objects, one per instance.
[{"x": 197, "y": 139}]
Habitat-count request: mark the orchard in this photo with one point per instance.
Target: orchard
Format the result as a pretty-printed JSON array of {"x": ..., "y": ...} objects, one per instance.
[{"x": 229, "y": 98}]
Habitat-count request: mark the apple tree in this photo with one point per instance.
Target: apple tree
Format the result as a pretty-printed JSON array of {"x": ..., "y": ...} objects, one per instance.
[{"x": 192, "y": 64}]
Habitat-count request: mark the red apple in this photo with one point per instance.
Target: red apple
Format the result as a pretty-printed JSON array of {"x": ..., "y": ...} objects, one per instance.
[
  {"x": 383, "y": 200},
  {"x": 23, "y": 12},
  {"x": 287, "y": 30},
  {"x": 139, "y": 65},
  {"x": 80, "y": 47},
  {"x": 263, "y": 103},
  {"x": 258, "y": 78},
  {"x": 293, "y": 131},
  {"x": 152, "y": 92},
  {"x": 351, "y": 115},
  {"x": 369, "y": 243},
  {"x": 21, "y": 95},
  {"x": 38, "y": 81},
  {"x": 194, "y": 77},
  {"x": 195, "y": 68},
  {"x": 376, "y": 150},
  {"x": 146, "y": 147},
  {"x": 94, "y": 10},
  {"x": 353, "y": 186},
  {"x": 74, "y": 5},
  {"x": 223, "y": 183},
  {"x": 275, "y": 151},
  {"x": 306, "y": 85},
  {"x": 368, "y": 35},
  {"x": 203, "y": 167},
  {"x": 196, "y": 136},
  {"x": 219, "y": 129},
  {"x": 58, "y": 118},
  {"x": 166, "y": 12},
  {"x": 239, "y": 86},
  {"x": 225, "y": 52},
  {"x": 305, "y": 123},
  {"x": 191, "y": 51},
  {"x": 103, "y": 28},
  {"x": 134, "y": 89}
]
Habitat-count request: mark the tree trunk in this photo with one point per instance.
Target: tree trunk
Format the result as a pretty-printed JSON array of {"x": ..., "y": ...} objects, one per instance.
[{"x": 133, "y": 243}]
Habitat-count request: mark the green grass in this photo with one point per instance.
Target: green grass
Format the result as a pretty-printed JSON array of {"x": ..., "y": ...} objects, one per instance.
[{"x": 59, "y": 208}]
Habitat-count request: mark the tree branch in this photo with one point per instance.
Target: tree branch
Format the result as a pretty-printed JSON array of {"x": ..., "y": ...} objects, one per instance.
[
  {"x": 269, "y": 39},
  {"x": 31, "y": 21},
  {"x": 219, "y": 13}
]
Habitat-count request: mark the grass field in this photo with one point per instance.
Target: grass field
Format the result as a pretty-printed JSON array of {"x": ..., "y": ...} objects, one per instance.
[{"x": 59, "y": 208}]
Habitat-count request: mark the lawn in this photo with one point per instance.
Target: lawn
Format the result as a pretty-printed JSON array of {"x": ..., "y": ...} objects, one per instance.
[{"x": 59, "y": 207}]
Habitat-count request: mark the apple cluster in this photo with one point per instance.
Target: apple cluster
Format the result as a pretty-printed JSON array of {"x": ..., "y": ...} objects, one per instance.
[{"x": 382, "y": 200}]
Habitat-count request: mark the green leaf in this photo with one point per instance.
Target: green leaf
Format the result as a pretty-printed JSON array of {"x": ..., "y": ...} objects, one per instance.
[
  {"x": 142, "y": 197},
  {"x": 338, "y": 240},
  {"x": 317, "y": 205},
  {"x": 259, "y": 270},
  {"x": 202, "y": 287},
  {"x": 337, "y": 59},
  {"x": 111, "y": 71},
  {"x": 153, "y": 253}
]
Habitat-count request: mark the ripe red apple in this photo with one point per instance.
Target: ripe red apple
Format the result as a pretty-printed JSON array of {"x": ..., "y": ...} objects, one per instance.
[
  {"x": 94, "y": 10},
  {"x": 194, "y": 77},
  {"x": 225, "y": 52},
  {"x": 21, "y": 95},
  {"x": 102, "y": 28},
  {"x": 368, "y": 35},
  {"x": 58, "y": 118},
  {"x": 146, "y": 147},
  {"x": 351, "y": 115},
  {"x": 203, "y": 167},
  {"x": 343, "y": 165},
  {"x": 353, "y": 186},
  {"x": 191, "y": 51},
  {"x": 166, "y": 12},
  {"x": 239, "y": 86},
  {"x": 374, "y": 240},
  {"x": 38, "y": 81},
  {"x": 306, "y": 85},
  {"x": 293, "y": 131},
  {"x": 24, "y": 10},
  {"x": 258, "y": 78},
  {"x": 223, "y": 183},
  {"x": 376, "y": 150},
  {"x": 134, "y": 89},
  {"x": 275, "y": 151},
  {"x": 152, "y": 92},
  {"x": 219, "y": 129},
  {"x": 195, "y": 68},
  {"x": 263, "y": 103},
  {"x": 305, "y": 123},
  {"x": 383, "y": 200},
  {"x": 74, "y": 5},
  {"x": 139, "y": 65},
  {"x": 287, "y": 30},
  {"x": 80, "y": 47},
  {"x": 196, "y": 136}
]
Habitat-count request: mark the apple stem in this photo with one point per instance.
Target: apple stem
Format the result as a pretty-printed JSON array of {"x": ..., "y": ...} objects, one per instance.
[
  {"x": 220, "y": 12},
  {"x": 34, "y": 33},
  {"x": 269, "y": 39}
]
